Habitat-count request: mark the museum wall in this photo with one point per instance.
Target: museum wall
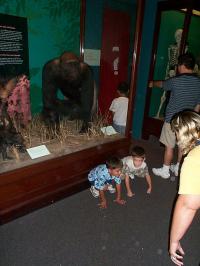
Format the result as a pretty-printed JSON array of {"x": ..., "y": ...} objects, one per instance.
[
  {"x": 170, "y": 22},
  {"x": 94, "y": 24},
  {"x": 53, "y": 27},
  {"x": 144, "y": 66}
]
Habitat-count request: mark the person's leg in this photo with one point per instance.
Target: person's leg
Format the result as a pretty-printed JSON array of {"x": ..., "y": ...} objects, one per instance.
[
  {"x": 168, "y": 138},
  {"x": 122, "y": 130},
  {"x": 93, "y": 190},
  {"x": 180, "y": 155},
  {"x": 175, "y": 167},
  {"x": 168, "y": 155},
  {"x": 119, "y": 129},
  {"x": 110, "y": 187}
]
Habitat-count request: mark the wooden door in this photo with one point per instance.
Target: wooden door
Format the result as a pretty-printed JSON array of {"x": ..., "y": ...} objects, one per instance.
[{"x": 114, "y": 55}]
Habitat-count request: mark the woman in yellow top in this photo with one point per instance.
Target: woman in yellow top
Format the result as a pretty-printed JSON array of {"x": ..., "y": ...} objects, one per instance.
[{"x": 186, "y": 125}]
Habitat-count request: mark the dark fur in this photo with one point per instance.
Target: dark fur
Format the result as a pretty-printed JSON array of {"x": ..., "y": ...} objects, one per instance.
[{"x": 75, "y": 80}]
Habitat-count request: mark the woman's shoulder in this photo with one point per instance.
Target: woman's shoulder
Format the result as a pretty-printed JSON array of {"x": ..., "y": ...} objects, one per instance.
[
  {"x": 193, "y": 156},
  {"x": 194, "y": 152}
]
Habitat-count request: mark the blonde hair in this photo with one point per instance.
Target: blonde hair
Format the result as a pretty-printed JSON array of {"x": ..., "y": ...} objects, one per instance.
[{"x": 186, "y": 125}]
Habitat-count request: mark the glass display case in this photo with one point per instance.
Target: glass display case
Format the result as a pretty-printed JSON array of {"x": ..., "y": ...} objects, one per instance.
[{"x": 31, "y": 184}]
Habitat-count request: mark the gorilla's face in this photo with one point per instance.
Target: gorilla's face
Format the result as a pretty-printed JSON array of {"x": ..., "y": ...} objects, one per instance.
[{"x": 71, "y": 72}]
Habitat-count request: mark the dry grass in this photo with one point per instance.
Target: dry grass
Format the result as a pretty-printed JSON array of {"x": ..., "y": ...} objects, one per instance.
[{"x": 38, "y": 133}]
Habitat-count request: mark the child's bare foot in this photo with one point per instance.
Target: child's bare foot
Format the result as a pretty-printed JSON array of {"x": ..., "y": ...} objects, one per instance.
[
  {"x": 120, "y": 201},
  {"x": 149, "y": 191},
  {"x": 130, "y": 194}
]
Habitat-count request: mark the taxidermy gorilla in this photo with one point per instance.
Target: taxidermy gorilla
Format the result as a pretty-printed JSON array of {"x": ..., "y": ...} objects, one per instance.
[{"x": 75, "y": 80}]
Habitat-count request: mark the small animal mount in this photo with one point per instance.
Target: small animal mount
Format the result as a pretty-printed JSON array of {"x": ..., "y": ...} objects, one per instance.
[
  {"x": 116, "y": 60},
  {"x": 9, "y": 137}
]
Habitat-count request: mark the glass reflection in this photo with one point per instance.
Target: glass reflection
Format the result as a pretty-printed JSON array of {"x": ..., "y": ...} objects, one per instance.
[
  {"x": 168, "y": 49},
  {"x": 109, "y": 39}
]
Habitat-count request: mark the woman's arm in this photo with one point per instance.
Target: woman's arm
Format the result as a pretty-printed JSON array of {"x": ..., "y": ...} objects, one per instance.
[{"x": 185, "y": 209}]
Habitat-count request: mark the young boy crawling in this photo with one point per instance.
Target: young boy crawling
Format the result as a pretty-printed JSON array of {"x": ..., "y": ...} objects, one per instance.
[
  {"x": 135, "y": 165},
  {"x": 102, "y": 176}
]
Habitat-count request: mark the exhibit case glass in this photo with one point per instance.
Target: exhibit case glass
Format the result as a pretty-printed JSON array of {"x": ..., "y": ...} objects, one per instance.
[
  {"x": 51, "y": 168},
  {"x": 176, "y": 32}
]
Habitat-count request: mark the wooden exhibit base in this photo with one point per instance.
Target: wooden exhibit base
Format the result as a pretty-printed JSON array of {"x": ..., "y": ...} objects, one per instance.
[{"x": 28, "y": 188}]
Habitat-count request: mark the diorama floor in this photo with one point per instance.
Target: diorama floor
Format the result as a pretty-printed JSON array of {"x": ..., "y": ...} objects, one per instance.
[
  {"x": 73, "y": 143},
  {"x": 74, "y": 231}
]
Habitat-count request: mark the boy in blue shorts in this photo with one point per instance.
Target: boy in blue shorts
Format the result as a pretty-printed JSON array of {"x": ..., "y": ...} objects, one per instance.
[{"x": 102, "y": 176}]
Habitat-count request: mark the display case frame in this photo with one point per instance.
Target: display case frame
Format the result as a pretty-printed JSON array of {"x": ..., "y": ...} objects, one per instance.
[{"x": 34, "y": 186}]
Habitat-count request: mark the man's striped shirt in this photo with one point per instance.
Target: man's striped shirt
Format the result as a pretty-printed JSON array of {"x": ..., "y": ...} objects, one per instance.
[{"x": 185, "y": 94}]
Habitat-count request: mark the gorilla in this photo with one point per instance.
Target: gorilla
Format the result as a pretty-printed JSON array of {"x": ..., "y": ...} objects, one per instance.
[{"x": 75, "y": 80}]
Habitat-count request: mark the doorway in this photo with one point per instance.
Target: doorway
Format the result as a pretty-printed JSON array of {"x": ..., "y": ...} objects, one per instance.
[{"x": 114, "y": 63}]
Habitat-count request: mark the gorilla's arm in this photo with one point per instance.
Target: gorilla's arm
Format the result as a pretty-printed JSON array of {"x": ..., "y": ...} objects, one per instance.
[
  {"x": 49, "y": 91},
  {"x": 49, "y": 88}
]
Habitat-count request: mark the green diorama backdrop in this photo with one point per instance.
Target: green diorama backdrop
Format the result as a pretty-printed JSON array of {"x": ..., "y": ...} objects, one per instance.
[
  {"x": 170, "y": 22},
  {"x": 53, "y": 27}
]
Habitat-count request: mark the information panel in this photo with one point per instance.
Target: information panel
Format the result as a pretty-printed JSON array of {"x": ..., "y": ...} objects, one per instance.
[{"x": 14, "y": 44}]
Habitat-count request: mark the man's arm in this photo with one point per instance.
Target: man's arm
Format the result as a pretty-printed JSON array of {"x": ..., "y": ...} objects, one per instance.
[
  {"x": 156, "y": 83},
  {"x": 197, "y": 108}
]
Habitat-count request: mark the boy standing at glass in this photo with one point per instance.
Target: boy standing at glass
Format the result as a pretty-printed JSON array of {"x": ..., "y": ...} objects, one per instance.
[{"x": 119, "y": 108}]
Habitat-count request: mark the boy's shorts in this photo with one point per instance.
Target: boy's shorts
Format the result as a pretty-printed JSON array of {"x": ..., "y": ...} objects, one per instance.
[
  {"x": 167, "y": 136},
  {"x": 99, "y": 185}
]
